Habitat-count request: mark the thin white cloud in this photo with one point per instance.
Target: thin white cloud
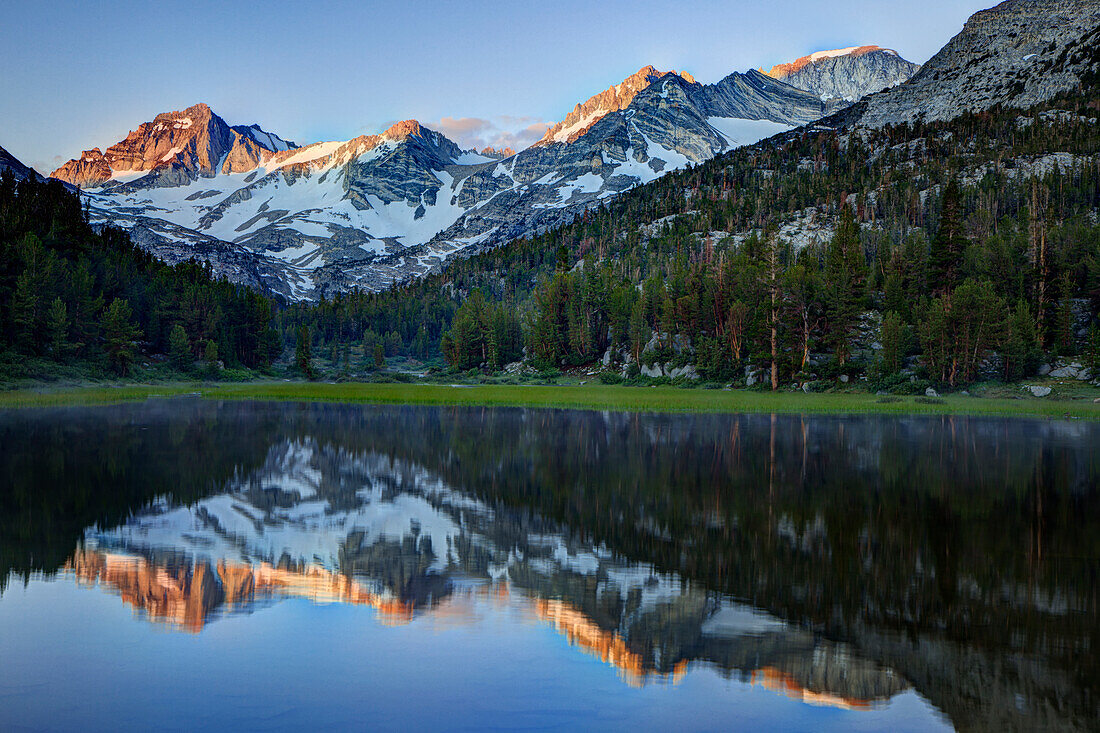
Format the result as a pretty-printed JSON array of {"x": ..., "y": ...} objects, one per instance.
[{"x": 504, "y": 131}]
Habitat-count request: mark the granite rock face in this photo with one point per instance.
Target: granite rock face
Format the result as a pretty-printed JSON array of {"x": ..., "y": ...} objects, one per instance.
[
  {"x": 497, "y": 153},
  {"x": 1016, "y": 54},
  {"x": 849, "y": 73},
  {"x": 193, "y": 141}
]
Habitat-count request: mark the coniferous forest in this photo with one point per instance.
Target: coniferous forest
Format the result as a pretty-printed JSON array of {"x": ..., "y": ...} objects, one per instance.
[{"x": 82, "y": 303}]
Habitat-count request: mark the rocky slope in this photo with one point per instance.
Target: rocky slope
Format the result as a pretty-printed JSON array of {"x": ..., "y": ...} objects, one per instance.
[
  {"x": 672, "y": 123},
  {"x": 1015, "y": 54},
  {"x": 10, "y": 164},
  {"x": 847, "y": 73},
  {"x": 381, "y": 209}
]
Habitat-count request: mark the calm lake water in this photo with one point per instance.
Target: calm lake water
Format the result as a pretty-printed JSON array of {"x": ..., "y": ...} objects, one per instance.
[{"x": 194, "y": 565}]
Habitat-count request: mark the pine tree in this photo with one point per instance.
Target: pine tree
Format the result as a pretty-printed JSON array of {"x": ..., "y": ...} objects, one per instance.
[
  {"x": 1063, "y": 339},
  {"x": 370, "y": 340},
  {"x": 210, "y": 356},
  {"x": 345, "y": 367},
  {"x": 845, "y": 281},
  {"x": 120, "y": 333},
  {"x": 179, "y": 349},
  {"x": 890, "y": 339},
  {"x": 303, "y": 353},
  {"x": 57, "y": 327},
  {"x": 421, "y": 343},
  {"x": 802, "y": 285},
  {"x": 24, "y": 309},
  {"x": 894, "y": 298},
  {"x": 775, "y": 293},
  {"x": 1092, "y": 350},
  {"x": 945, "y": 254},
  {"x": 1021, "y": 350}
]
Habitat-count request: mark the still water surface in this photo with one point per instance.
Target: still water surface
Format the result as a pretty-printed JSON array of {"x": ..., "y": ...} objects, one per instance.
[{"x": 196, "y": 565}]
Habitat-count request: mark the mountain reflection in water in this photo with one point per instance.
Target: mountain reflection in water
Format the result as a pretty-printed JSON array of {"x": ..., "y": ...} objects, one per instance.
[
  {"x": 840, "y": 561},
  {"x": 333, "y": 525}
]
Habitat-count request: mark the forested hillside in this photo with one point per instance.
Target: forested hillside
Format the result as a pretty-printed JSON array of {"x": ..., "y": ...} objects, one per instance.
[
  {"x": 80, "y": 303},
  {"x": 945, "y": 252},
  {"x": 908, "y": 256}
]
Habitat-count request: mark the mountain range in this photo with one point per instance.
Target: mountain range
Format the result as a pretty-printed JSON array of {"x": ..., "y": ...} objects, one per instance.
[
  {"x": 305, "y": 221},
  {"x": 378, "y": 210}
]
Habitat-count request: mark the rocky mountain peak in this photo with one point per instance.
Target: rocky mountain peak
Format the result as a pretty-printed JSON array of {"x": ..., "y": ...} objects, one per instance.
[
  {"x": 1015, "y": 54},
  {"x": 845, "y": 73},
  {"x": 197, "y": 113},
  {"x": 782, "y": 71},
  {"x": 491, "y": 152},
  {"x": 190, "y": 142},
  {"x": 405, "y": 129},
  {"x": 380, "y": 209},
  {"x": 612, "y": 99}
]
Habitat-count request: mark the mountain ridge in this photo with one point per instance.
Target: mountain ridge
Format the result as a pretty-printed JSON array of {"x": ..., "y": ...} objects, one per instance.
[
  {"x": 380, "y": 209},
  {"x": 10, "y": 164}
]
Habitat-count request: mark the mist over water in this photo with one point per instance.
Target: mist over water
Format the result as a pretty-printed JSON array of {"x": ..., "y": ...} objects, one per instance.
[{"x": 282, "y": 565}]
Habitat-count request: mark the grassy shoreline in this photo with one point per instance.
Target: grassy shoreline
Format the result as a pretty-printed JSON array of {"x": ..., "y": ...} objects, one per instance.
[{"x": 595, "y": 397}]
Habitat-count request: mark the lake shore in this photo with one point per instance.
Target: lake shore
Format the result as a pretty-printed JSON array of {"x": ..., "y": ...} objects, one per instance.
[{"x": 592, "y": 397}]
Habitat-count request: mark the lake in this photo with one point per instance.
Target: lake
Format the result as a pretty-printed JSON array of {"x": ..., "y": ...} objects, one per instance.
[{"x": 187, "y": 564}]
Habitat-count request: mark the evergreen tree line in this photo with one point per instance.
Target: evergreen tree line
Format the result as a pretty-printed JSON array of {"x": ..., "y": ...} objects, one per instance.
[
  {"x": 949, "y": 302},
  {"x": 72, "y": 297}
]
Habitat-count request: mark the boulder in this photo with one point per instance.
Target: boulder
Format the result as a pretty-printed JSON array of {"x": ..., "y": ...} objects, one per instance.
[
  {"x": 931, "y": 393},
  {"x": 1069, "y": 371},
  {"x": 1038, "y": 391},
  {"x": 688, "y": 370}
]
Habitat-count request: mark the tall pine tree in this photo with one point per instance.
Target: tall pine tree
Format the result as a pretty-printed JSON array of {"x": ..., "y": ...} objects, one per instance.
[{"x": 945, "y": 254}]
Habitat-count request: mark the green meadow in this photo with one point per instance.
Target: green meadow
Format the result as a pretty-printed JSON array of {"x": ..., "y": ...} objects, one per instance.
[{"x": 594, "y": 397}]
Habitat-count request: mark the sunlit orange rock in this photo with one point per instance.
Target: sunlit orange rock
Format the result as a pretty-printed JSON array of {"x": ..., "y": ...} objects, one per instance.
[{"x": 185, "y": 595}]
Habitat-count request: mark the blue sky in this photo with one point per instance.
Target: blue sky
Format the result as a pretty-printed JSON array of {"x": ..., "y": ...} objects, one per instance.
[{"x": 80, "y": 74}]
